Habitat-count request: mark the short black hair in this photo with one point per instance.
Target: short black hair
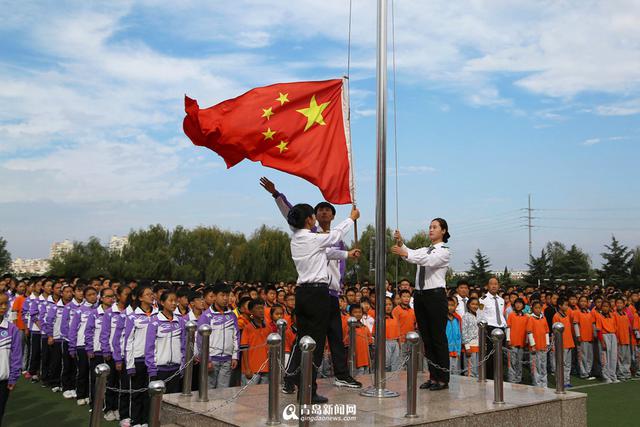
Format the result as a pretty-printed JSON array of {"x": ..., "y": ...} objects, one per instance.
[
  {"x": 299, "y": 214},
  {"x": 194, "y": 295},
  {"x": 355, "y": 306},
  {"x": 254, "y": 302},
  {"x": 324, "y": 205},
  {"x": 462, "y": 282},
  {"x": 221, "y": 287}
]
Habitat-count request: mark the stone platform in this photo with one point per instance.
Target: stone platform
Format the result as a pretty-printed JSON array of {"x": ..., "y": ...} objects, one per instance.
[{"x": 466, "y": 403}]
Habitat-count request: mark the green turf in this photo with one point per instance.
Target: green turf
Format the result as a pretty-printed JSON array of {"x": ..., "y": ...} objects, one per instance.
[{"x": 31, "y": 405}]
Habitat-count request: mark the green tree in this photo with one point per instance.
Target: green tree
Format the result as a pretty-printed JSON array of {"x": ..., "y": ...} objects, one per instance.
[
  {"x": 147, "y": 254},
  {"x": 617, "y": 266},
  {"x": 538, "y": 267},
  {"x": 505, "y": 277},
  {"x": 479, "y": 273},
  {"x": 5, "y": 256},
  {"x": 84, "y": 260}
]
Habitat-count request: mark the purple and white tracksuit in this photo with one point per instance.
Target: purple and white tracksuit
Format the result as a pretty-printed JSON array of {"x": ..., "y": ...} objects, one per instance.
[
  {"x": 10, "y": 359},
  {"x": 164, "y": 347},
  {"x": 224, "y": 344},
  {"x": 53, "y": 328},
  {"x": 77, "y": 347}
]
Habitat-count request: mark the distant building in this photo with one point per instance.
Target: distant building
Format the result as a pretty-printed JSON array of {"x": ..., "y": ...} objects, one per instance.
[
  {"x": 59, "y": 248},
  {"x": 36, "y": 266},
  {"x": 117, "y": 243}
]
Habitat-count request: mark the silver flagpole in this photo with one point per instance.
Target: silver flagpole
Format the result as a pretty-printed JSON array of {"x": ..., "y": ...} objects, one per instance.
[{"x": 378, "y": 389}]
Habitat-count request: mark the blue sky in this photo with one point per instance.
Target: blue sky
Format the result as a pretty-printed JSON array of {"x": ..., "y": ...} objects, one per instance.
[{"x": 496, "y": 100}]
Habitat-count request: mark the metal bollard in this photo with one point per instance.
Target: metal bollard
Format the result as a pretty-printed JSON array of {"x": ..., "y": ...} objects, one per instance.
[
  {"x": 497, "y": 335},
  {"x": 102, "y": 372},
  {"x": 188, "y": 369},
  {"x": 203, "y": 390},
  {"x": 282, "y": 330},
  {"x": 274, "y": 340},
  {"x": 156, "y": 390},
  {"x": 351, "y": 357},
  {"x": 412, "y": 375},
  {"x": 421, "y": 366},
  {"x": 482, "y": 352},
  {"x": 558, "y": 330},
  {"x": 307, "y": 345}
]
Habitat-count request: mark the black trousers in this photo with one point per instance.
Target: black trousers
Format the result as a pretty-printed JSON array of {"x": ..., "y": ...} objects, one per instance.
[
  {"x": 4, "y": 396},
  {"x": 490, "y": 361},
  {"x": 34, "y": 353},
  {"x": 44, "y": 359},
  {"x": 140, "y": 400},
  {"x": 111, "y": 397},
  {"x": 55, "y": 364},
  {"x": 69, "y": 369},
  {"x": 124, "y": 399},
  {"x": 195, "y": 377},
  {"x": 172, "y": 386},
  {"x": 82, "y": 377},
  {"x": 431, "y": 315},
  {"x": 334, "y": 336},
  {"x": 312, "y": 317}
]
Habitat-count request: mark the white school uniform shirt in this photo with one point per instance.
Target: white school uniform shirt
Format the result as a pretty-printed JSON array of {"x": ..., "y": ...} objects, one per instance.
[
  {"x": 309, "y": 252},
  {"x": 461, "y": 309},
  {"x": 487, "y": 311},
  {"x": 433, "y": 263}
]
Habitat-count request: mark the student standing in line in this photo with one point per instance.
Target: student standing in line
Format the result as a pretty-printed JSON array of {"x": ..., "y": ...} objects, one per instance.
[
  {"x": 35, "y": 340},
  {"x": 454, "y": 336},
  {"x": 538, "y": 336},
  {"x": 10, "y": 354},
  {"x": 135, "y": 336},
  {"x": 117, "y": 322},
  {"x": 606, "y": 327},
  {"x": 584, "y": 327},
  {"x": 623, "y": 335},
  {"x": 94, "y": 347},
  {"x": 516, "y": 340},
  {"x": 165, "y": 343},
  {"x": 77, "y": 344},
  {"x": 470, "y": 337}
]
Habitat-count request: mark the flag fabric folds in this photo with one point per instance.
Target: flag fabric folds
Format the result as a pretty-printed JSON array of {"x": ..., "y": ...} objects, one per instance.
[{"x": 298, "y": 128}]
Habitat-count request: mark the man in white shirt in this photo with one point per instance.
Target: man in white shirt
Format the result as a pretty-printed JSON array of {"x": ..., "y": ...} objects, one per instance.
[
  {"x": 462, "y": 295},
  {"x": 492, "y": 311}
]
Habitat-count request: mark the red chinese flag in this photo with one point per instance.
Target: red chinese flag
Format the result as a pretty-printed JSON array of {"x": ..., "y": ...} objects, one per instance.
[{"x": 298, "y": 128}]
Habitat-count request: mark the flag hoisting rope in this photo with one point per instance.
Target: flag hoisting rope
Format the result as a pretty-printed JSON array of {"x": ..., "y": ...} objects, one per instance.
[{"x": 352, "y": 181}]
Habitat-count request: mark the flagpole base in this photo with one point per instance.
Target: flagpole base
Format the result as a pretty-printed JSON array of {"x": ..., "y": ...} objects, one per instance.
[{"x": 378, "y": 392}]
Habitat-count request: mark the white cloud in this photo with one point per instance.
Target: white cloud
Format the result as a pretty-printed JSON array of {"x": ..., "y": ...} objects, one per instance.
[
  {"x": 624, "y": 108},
  {"x": 594, "y": 141}
]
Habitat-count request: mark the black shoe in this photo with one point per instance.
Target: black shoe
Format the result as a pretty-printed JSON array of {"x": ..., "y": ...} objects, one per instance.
[
  {"x": 288, "y": 388},
  {"x": 316, "y": 398},
  {"x": 426, "y": 385},
  {"x": 438, "y": 386},
  {"x": 347, "y": 381}
]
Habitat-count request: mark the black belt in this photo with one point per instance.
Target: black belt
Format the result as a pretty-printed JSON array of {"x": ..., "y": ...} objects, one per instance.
[
  {"x": 313, "y": 285},
  {"x": 419, "y": 291}
]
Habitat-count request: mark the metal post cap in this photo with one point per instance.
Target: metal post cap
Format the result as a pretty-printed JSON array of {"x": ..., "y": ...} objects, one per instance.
[
  {"x": 204, "y": 330},
  {"x": 157, "y": 387},
  {"x": 413, "y": 337},
  {"x": 274, "y": 339},
  {"x": 102, "y": 369},
  {"x": 483, "y": 323},
  {"x": 281, "y": 322},
  {"x": 191, "y": 325},
  {"x": 352, "y": 320},
  {"x": 497, "y": 334},
  {"x": 307, "y": 343},
  {"x": 558, "y": 326}
]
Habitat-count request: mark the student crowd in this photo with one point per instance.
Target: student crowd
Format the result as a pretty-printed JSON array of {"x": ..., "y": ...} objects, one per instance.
[{"x": 55, "y": 331}]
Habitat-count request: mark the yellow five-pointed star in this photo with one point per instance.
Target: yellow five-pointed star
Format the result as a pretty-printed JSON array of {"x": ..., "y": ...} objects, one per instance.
[
  {"x": 313, "y": 113},
  {"x": 282, "y": 146},
  {"x": 268, "y": 134},
  {"x": 282, "y": 98},
  {"x": 267, "y": 113}
]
